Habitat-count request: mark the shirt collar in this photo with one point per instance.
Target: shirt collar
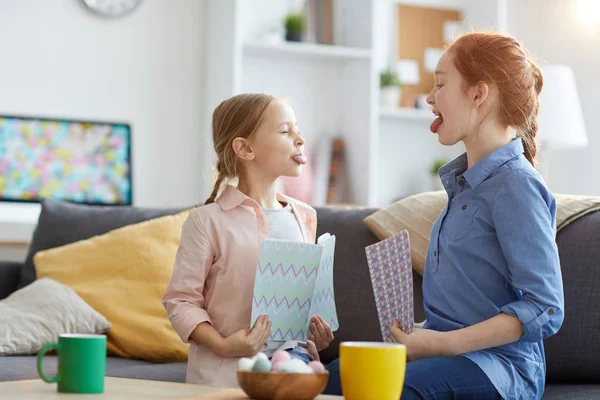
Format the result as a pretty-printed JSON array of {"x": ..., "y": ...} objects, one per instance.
[
  {"x": 484, "y": 167},
  {"x": 231, "y": 197}
]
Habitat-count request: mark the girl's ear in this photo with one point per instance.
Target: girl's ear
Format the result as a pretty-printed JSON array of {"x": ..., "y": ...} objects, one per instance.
[
  {"x": 479, "y": 93},
  {"x": 242, "y": 149}
]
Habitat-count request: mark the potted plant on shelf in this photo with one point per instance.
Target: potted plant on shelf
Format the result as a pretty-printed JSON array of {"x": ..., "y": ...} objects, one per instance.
[
  {"x": 390, "y": 88},
  {"x": 436, "y": 181},
  {"x": 294, "y": 26}
]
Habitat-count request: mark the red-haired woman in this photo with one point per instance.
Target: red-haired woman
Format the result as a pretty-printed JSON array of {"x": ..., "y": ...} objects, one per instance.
[{"x": 492, "y": 286}]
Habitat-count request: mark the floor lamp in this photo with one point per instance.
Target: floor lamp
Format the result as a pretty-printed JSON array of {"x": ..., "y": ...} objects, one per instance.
[{"x": 561, "y": 123}]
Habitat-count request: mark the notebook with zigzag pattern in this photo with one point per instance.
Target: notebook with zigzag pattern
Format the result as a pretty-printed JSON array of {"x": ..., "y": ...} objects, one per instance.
[{"x": 294, "y": 282}]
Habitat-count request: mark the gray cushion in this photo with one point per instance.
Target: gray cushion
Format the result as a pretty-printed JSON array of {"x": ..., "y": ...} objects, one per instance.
[
  {"x": 571, "y": 392},
  {"x": 354, "y": 299},
  {"x": 573, "y": 354},
  {"x": 40, "y": 312},
  {"x": 23, "y": 368},
  {"x": 355, "y": 303},
  {"x": 61, "y": 223},
  {"x": 171, "y": 372}
]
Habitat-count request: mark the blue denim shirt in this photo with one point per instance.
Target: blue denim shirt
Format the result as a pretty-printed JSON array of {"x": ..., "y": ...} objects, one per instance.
[{"x": 493, "y": 250}]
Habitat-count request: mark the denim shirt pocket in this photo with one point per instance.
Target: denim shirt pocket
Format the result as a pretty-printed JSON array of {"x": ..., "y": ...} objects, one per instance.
[{"x": 461, "y": 221}]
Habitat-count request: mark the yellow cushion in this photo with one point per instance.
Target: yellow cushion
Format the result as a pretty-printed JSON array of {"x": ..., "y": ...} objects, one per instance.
[
  {"x": 417, "y": 214},
  {"x": 123, "y": 275}
]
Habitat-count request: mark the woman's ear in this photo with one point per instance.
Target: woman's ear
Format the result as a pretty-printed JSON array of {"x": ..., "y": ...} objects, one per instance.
[
  {"x": 242, "y": 149},
  {"x": 479, "y": 93}
]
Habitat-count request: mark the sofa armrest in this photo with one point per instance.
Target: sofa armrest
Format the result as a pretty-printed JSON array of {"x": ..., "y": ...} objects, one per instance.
[{"x": 10, "y": 273}]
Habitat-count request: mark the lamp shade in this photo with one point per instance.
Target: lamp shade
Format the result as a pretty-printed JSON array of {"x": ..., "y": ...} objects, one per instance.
[{"x": 561, "y": 123}]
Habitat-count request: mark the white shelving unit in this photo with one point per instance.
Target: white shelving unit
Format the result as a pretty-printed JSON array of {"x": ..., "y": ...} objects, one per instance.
[
  {"x": 331, "y": 87},
  {"x": 308, "y": 51},
  {"x": 334, "y": 89}
]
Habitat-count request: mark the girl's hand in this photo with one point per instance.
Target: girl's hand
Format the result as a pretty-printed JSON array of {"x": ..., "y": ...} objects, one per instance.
[
  {"x": 322, "y": 335},
  {"x": 245, "y": 342},
  {"x": 422, "y": 343}
]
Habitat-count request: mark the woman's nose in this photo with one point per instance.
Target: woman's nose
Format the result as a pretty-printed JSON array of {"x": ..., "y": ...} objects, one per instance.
[{"x": 299, "y": 141}]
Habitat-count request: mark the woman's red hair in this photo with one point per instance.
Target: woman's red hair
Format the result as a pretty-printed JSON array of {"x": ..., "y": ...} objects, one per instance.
[{"x": 501, "y": 60}]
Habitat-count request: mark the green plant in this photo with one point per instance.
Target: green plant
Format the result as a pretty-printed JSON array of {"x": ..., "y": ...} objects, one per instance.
[
  {"x": 389, "y": 78},
  {"x": 295, "y": 22},
  {"x": 437, "y": 164}
]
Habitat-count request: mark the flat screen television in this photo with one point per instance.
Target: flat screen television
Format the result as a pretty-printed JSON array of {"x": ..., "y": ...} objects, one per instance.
[{"x": 78, "y": 161}]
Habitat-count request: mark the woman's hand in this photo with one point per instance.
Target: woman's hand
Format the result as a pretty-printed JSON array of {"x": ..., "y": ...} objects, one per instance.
[
  {"x": 421, "y": 343},
  {"x": 322, "y": 335},
  {"x": 245, "y": 342}
]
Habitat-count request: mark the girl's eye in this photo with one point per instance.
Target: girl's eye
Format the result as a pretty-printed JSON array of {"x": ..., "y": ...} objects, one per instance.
[
  {"x": 285, "y": 132},
  {"x": 439, "y": 86}
]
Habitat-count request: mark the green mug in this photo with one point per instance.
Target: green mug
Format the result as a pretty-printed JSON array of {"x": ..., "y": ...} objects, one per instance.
[{"x": 81, "y": 363}]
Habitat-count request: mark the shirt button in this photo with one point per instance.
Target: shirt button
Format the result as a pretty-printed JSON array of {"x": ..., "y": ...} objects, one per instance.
[
  {"x": 464, "y": 206},
  {"x": 461, "y": 182},
  {"x": 551, "y": 312},
  {"x": 435, "y": 253}
]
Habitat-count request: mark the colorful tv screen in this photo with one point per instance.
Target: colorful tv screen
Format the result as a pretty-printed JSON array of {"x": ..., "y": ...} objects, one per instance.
[{"x": 76, "y": 161}]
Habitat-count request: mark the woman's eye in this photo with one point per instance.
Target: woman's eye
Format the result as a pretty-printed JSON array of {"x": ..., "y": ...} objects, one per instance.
[{"x": 439, "y": 86}]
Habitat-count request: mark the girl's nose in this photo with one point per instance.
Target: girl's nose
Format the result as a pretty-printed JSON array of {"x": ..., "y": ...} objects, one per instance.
[
  {"x": 430, "y": 98},
  {"x": 299, "y": 141}
]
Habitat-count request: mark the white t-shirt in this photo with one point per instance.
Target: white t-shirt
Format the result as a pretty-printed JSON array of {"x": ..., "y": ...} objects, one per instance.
[{"x": 283, "y": 225}]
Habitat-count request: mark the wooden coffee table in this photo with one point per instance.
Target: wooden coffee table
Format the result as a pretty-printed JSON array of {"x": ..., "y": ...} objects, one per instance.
[{"x": 126, "y": 389}]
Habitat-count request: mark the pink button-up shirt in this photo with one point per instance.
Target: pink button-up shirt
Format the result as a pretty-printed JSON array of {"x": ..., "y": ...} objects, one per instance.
[{"x": 213, "y": 276}]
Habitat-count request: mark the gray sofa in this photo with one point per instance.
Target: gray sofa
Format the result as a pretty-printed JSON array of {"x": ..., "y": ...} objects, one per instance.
[{"x": 573, "y": 354}]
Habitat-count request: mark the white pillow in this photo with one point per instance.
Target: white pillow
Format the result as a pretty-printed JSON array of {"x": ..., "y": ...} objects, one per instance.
[{"x": 38, "y": 313}]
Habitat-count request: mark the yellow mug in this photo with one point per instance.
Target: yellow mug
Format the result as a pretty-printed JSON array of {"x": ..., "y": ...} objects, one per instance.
[{"x": 372, "y": 370}]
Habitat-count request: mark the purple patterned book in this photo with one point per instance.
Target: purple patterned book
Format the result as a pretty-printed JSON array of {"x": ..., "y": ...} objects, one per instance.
[{"x": 392, "y": 279}]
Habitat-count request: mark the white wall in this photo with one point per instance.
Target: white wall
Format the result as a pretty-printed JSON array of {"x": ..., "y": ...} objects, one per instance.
[
  {"x": 59, "y": 59},
  {"x": 554, "y": 32}
]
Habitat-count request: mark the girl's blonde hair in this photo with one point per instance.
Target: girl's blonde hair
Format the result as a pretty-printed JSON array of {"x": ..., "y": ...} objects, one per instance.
[{"x": 238, "y": 116}]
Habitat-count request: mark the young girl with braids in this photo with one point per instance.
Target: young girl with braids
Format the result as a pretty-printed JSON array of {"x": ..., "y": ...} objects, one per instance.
[
  {"x": 209, "y": 297},
  {"x": 492, "y": 285}
]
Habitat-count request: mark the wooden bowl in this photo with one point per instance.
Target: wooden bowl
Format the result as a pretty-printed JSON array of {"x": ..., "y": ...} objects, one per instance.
[{"x": 282, "y": 386}]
